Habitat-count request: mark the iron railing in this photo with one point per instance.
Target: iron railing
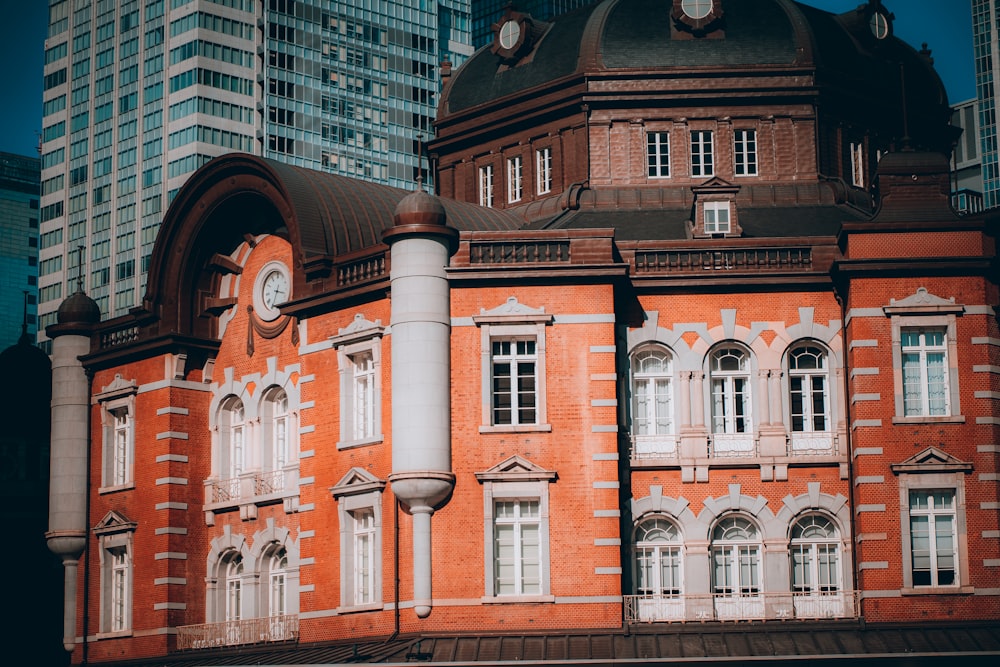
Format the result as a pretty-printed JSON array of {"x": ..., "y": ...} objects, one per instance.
[{"x": 244, "y": 631}]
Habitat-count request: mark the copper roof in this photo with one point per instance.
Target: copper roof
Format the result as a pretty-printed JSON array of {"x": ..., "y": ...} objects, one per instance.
[{"x": 709, "y": 643}]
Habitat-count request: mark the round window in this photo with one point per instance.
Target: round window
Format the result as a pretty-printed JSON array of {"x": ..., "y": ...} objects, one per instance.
[
  {"x": 510, "y": 32},
  {"x": 879, "y": 25},
  {"x": 697, "y": 9}
]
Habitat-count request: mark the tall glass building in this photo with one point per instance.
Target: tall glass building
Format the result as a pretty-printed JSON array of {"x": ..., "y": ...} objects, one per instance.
[
  {"x": 986, "y": 45},
  {"x": 140, "y": 93},
  {"x": 18, "y": 246}
]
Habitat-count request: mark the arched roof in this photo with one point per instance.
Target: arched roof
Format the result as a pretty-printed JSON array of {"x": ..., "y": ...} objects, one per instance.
[{"x": 323, "y": 216}]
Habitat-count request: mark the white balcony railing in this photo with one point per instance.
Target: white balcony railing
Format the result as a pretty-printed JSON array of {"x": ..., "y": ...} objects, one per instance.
[
  {"x": 811, "y": 444},
  {"x": 243, "y": 631},
  {"x": 728, "y": 607},
  {"x": 733, "y": 445},
  {"x": 662, "y": 446},
  {"x": 224, "y": 490},
  {"x": 269, "y": 481}
]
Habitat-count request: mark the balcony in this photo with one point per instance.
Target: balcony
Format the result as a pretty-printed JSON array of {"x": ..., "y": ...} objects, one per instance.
[
  {"x": 251, "y": 490},
  {"x": 751, "y": 607},
  {"x": 235, "y": 633}
]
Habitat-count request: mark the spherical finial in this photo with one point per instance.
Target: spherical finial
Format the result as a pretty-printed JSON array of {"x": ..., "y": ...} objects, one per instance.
[{"x": 419, "y": 208}]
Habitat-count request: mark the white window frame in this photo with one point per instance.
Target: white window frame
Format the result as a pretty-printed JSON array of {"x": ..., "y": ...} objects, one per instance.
[
  {"x": 117, "y": 402},
  {"x": 486, "y": 185},
  {"x": 543, "y": 170},
  {"x": 723, "y": 384},
  {"x": 745, "y": 152},
  {"x": 817, "y": 555},
  {"x": 924, "y": 311},
  {"x": 857, "y": 151},
  {"x": 658, "y": 154},
  {"x": 115, "y": 536},
  {"x": 360, "y": 416},
  {"x": 702, "y": 153},
  {"x": 653, "y": 420},
  {"x": 806, "y": 379},
  {"x": 915, "y": 359},
  {"x": 732, "y": 555},
  {"x": 515, "y": 179},
  {"x": 359, "y": 493},
  {"x": 277, "y": 589},
  {"x": 233, "y": 587},
  {"x": 513, "y": 322},
  {"x": 717, "y": 217},
  {"x": 664, "y": 553},
  {"x": 516, "y": 480}
]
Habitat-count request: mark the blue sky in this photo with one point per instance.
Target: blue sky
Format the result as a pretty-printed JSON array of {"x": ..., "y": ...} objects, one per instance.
[{"x": 945, "y": 27}]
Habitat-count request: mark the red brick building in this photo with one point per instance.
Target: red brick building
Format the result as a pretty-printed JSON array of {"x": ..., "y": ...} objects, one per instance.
[{"x": 689, "y": 342}]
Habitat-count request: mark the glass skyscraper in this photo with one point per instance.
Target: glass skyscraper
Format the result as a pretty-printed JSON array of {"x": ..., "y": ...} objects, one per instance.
[
  {"x": 18, "y": 246},
  {"x": 140, "y": 93},
  {"x": 986, "y": 45}
]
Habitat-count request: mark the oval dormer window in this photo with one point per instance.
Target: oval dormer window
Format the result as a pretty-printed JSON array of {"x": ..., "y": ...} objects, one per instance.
[
  {"x": 510, "y": 33},
  {"x": 696, "y": 9},
  {"x": 880, "y": 25}
]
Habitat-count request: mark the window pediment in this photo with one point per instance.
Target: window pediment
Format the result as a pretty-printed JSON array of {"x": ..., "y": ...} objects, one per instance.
[
  {"x": 512, "y": 311},
  {"x": 931, "y": 460},
  {"x": 112, "y": 523},
  {"x": 923, "y": 302},
  {"x": 357, "y": 481},
  {"x": 118, "y": 388},
  {"x": 359, "y": 329},
  {"x": 715, "y": 186},
  {"x": 516, "y": 468}
]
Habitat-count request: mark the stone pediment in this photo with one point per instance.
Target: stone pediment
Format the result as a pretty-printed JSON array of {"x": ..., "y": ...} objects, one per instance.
[
  {"x": 516, "y": 468},
  {"x": 715, "y": 185},
  {"x": 930, "y": 460},
  {"x": 512, "y": 311},
  {"x": 113, "y": 522},
  {"x": 923, "y": 301},
  {"x": 359, "y": 329},
  {"x": 356, "y": 481},
  {"x": 117, "y": 388}
]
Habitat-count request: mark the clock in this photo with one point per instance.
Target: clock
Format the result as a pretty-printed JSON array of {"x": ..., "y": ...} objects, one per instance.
[{"x": 271, "y": 289}]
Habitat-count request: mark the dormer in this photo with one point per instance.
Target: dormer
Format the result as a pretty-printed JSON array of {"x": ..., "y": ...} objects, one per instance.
[
  {"x": 516, "y": 35},
  {"x": 715, "y": 214}
]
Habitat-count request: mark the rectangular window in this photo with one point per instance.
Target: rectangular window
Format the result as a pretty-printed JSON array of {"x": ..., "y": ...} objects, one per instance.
[
  {"x": 658, "y": 154},
  {"x": 514, "y": 382},
  {"x": 121, "y": 465},
  {"x": 745, "y": 152},
  {"x": 933, "y": 538},
  {"x": 364, "y": 553},
  {"x": 925, "y": 372},
  {"x": 118, "y": 589},
  {"x": 857, "y": 164},
  {"x": 717, "y": 217},
  {"x": 486, "y": 185},
  {"x": 702, "y": 160},
  {"x": 517, "y": 547},
  {"x": 364, "y": 396},
  {"x": 543, "y": 170},
  {"x": 515, "y": 187}
]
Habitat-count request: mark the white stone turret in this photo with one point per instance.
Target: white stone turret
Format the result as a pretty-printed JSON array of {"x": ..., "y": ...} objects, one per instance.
[
  {"x": 422, "y": 479},
  {"x": 67, "y": 534}
]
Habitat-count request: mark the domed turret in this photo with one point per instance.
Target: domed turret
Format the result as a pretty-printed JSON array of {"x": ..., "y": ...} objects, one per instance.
[
  {"x": 78, "y": 309},
  {"x": 419, "y": 208}
]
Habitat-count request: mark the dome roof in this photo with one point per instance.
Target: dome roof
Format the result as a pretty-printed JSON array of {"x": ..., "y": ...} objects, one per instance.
[
  {"x": 622, "y": 39},
  {"x": 78, "y": 309},
  {"x": 419, "y": 208}
]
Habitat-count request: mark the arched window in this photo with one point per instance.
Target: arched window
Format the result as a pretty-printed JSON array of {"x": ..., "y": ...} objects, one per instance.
[
  {"x": 736, "y": 558},
  {"x": 233, "y": 437},
  {"x": 808, "y": 383},
  {"x": 234, "y": 587},
  {"x": 277, "y": 449},
  {"x": 658, "y": 558},
  {"x": 277, "y": 603},
  {"x": 815, "y": 554},
  {"x": 730, "y": 373},
  {"x": 279, "y": 430},
  {"x": 652, "y": 412}
]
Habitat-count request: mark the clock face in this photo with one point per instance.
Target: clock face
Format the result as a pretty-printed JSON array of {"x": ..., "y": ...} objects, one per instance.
[
  {"x": 510, "y": 32},
  {"x": 271, "y": 288},
  {"x": 275, "y": 288}
]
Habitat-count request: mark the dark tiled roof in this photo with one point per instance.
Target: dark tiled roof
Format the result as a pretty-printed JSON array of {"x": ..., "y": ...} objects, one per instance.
[
  {"x": 710, "y": 643},
  {"x": 637, "y": 34},
  {"x": 349, "y": 214}
]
